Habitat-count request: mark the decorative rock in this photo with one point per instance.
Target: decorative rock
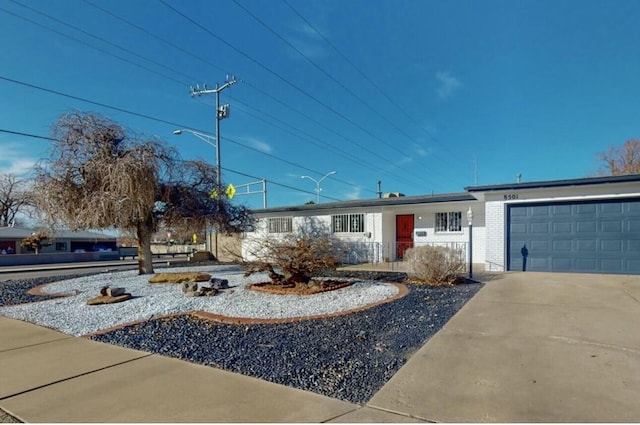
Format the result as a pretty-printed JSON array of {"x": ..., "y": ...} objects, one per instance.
[
  {"x": 219, "y": 283},
  {"x": 115, "y": 292},
  {"x": 193, "y": 294},
  {"x": 103, "y": 291},
  {"x": 105, "y": 299},
  {"x": 189, "y": 287}
]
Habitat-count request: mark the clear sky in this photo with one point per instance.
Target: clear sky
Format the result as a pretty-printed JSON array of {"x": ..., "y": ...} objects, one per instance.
[{"x": 411, "y": 93}]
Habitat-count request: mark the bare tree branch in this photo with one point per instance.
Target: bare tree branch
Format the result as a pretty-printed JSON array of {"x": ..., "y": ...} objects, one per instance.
[
  {"x": 15, "y": 198},
  {"x": 619, "y": 160}
]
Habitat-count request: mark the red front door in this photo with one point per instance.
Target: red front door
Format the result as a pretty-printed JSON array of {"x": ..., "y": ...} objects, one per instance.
[{"x": 404, "y": 234}]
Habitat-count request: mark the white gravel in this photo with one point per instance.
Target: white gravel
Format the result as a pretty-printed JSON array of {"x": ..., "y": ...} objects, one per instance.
[{"x": 73, "y": 316}]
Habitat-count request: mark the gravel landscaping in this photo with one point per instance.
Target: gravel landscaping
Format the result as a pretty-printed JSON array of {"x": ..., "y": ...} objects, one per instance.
[{"x": 348, "y": 356}]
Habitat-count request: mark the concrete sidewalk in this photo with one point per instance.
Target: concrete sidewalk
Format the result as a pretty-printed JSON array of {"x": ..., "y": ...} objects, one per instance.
[{"x": 533, "y": 347}]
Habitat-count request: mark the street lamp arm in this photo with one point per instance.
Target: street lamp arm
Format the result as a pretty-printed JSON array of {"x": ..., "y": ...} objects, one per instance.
[
  {"x": 311, "y": 178},
  {"x": 327, "y": 175},
  {"x": 202, "y": 136}
]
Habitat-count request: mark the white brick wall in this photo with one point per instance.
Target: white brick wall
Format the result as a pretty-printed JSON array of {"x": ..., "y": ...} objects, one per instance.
[{"x": 495, "y": 236}]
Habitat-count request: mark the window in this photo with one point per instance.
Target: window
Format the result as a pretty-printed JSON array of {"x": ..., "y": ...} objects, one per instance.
[
  {"x": 347, "y": 223},
  {"x": 449, "y": 221},
  {"x": 280, "y": 225},
  {"x": 61, "y": 246}
]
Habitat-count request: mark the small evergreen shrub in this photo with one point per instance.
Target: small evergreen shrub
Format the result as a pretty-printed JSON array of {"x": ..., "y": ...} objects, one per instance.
[{"x": 435, "y": 265}]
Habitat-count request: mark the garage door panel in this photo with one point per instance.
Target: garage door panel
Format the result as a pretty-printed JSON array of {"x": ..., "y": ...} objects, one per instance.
[
  {"x": 560, "y": 263},
  {"x": 587, "y": 226},
  {"x": 538, "y": 247},
  {"x": 537, "y": 211},
  {"x": 596, "y": 236},
  {"x": 611, "y": 226},
  {"x": 586, "y": 245},
  {"x": 519, "y": 228},
  {"x": 633, "y": 266},
  {"x": 560, "y": 210},
  {"x": 539, "y": 228},
  {"x": 611, "y": 265},
  {"x": 612, "y": 209},
  {"x": 611, "y": 246},
  {"x": 588, "y": 209},
  {"x": 587, "y": 264},
  {"x": 562, "y": 245},
  {"x": 563, "y": 227},
  {"x": 538, "y": 263}
]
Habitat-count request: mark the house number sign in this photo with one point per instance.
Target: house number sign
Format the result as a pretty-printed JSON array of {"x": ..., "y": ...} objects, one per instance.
[{"x": 510, "y": 196}]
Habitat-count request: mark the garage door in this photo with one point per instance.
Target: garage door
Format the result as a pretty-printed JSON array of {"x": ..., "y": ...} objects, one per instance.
[{"x": 586, "y": 237}]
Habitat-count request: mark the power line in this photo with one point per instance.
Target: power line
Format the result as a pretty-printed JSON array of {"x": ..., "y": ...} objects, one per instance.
[
  {"x": 332, "y": 78},
  {"x": 342, "y": 152},
  {"x": 117, "y": 46},
  {"x": 280, "y": 184},
  {"x": 89, "y": 45},
  {"x": 365, "y": 76},
  {"x": 173, "y": 124},
  {"x": 247, "y": 83},
  {"x": 289, "y": 83},
  {"x": 20, "y": 133},
  {"x": 165, "y": 41}
]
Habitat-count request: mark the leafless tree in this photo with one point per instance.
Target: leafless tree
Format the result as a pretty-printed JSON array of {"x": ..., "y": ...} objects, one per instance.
[
  {"x": 100, "y": 175},
  {"x": 15, "y": 198},
  {"x": 619, "y": 160}
]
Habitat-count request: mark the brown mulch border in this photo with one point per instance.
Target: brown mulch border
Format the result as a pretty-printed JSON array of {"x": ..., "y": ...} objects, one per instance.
[{"x": 269, "y": 288}]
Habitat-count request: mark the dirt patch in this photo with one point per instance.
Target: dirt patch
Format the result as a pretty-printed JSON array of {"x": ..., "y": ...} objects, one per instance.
[
  {"x": 313, "y": 287},
  {"x": 179, "y": 277}
]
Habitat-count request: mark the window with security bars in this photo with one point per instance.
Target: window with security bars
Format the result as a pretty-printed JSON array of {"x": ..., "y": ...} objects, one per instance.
[
  {"x": 347, "y": 223},
  {"x": 449, "y": 221},
  {"x": 280, "y": 225}
]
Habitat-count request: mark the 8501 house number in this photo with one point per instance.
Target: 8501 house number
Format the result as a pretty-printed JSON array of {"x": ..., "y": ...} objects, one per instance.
[{"x": 511, "y": 197}]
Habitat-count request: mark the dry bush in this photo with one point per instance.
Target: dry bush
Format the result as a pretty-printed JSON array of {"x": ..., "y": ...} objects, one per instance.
[
  {"x": 298, "y": 257},
  {"x": 179, "y": 277},
  {"x": 435, "y": 265}
]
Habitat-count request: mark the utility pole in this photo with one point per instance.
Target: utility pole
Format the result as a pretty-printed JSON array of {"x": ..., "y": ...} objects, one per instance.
[{"x": 222, "y": 112}]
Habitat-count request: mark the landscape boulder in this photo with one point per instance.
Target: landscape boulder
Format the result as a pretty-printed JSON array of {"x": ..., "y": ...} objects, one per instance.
[
  {"x": 218, "y": 283},
  {"x": 109, "y": 295}
]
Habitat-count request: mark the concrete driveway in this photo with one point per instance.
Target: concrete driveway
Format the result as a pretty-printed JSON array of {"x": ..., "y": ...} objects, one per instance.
[{"x": 530, "y": 347}]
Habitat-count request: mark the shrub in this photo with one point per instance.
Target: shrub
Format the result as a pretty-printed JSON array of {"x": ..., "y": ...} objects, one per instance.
[
  {"x": 435, "y": 265},
  {"x": 298, "y": 257}
]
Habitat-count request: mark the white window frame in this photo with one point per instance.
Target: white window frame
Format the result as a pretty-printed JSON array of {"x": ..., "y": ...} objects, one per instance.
[
  {"x": 448, "y": 222},
  {"x": 348, "y": 223},
  {"x": 280, "y": 224}
]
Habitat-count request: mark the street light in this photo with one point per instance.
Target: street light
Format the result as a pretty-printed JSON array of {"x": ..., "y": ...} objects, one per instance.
[
  {"x": 207, "y": 138},
  {"x": 330, "y": 173},
  {"x": 470, "y": 220}
]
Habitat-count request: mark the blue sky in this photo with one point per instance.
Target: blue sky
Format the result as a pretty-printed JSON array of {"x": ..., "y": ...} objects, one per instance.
[{"x": 411, "y": 93}]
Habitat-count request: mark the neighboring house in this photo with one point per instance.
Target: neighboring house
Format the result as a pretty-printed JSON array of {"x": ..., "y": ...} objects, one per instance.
[
  {"x": 62, "y": 241},
  {"x": 587, "y": 225}
]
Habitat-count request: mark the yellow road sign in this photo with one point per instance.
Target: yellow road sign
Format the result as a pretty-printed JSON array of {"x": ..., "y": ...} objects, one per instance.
[{"x": 231, "y": 191}]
